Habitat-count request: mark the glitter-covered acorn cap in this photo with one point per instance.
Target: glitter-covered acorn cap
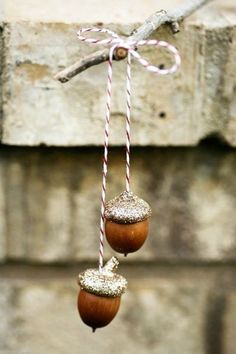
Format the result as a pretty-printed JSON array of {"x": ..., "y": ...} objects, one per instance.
[
  {"x": 127, "y": 208},
  {"x": 103, "y": 282}
]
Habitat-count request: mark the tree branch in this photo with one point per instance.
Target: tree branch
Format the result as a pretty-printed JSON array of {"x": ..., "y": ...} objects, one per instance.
[{"x": 159, "y": 18}]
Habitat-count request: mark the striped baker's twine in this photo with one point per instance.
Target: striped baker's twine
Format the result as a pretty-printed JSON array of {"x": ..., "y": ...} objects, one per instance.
[{"x": 116, "y": 42}]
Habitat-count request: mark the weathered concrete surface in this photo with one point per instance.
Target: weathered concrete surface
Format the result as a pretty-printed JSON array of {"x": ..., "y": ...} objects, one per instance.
[
  {"x": 77, "y": 10},
  {"x": 166, "y": 310},
  {"x": 51, "y": 199},
  {"x": 199, "y": 100},
  {"x": 163, "y": 312}
]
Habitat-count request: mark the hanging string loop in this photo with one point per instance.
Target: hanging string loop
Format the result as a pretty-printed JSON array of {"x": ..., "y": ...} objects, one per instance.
[
  {"x": 129, "y": 50},
  {"x": 115, "y": 40}
]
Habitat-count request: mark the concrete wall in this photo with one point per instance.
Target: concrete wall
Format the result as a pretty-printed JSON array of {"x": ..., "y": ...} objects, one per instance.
[{"x": 181, "y": 297}]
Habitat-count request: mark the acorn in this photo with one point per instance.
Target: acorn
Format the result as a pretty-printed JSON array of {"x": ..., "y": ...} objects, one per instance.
[
  {"x": 127, "y": 222},
  {"x": 100, "y": 294}
]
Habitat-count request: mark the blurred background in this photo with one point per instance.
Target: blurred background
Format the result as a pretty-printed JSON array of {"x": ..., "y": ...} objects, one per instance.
[{"x": 181, "y": 297}]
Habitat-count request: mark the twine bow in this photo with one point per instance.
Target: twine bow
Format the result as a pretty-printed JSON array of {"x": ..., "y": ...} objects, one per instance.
[{"x": 115, "y": 42}]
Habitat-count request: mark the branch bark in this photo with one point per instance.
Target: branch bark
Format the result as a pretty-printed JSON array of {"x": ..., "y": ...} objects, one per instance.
[{"x": 152, "y": 23}]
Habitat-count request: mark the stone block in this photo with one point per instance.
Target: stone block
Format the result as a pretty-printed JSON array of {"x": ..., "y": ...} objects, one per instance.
[
  {"x": 156, "y": 317},
  {"x": 182, "y": 109},
  {"x": 51, "y": 202},
  {"x": 77, "y": 11}
]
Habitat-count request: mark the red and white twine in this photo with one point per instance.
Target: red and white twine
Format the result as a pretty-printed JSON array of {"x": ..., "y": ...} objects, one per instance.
[{"x": 116, "y": 42}]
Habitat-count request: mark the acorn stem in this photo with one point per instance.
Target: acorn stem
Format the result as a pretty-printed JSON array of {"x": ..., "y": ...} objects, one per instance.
[
  {"x": 111, "y": 265},
  {"x": 94, "y": 329}
]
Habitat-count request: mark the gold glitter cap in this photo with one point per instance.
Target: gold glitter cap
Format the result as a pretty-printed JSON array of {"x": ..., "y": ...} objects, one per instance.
[
  {"x": 127, "y": 208},
  {"x": 103, "y": 282}
]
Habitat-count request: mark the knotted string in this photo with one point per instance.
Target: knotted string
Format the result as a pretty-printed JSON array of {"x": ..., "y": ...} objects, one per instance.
[{"x": 116, "y": 42}]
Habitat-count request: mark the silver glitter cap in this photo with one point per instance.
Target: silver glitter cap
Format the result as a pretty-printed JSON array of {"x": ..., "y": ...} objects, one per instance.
[
  {"x": 103, "y": 282},
  {"x": 127, "y": 208}
]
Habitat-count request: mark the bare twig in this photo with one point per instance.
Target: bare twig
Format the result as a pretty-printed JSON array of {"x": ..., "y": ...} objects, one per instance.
[{"x": 159, "y": 18}]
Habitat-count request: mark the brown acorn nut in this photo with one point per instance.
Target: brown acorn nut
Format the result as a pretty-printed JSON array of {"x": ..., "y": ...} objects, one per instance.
[
  {"x": 127, "y": 223},
  {"x": 97, "y": 311},
  {"x": 100, "y": 294}
]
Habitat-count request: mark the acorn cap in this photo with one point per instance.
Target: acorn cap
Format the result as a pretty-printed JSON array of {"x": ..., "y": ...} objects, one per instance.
[
  {"x": 127, "y": 208},
  {"x": 103, "y": 282}
]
